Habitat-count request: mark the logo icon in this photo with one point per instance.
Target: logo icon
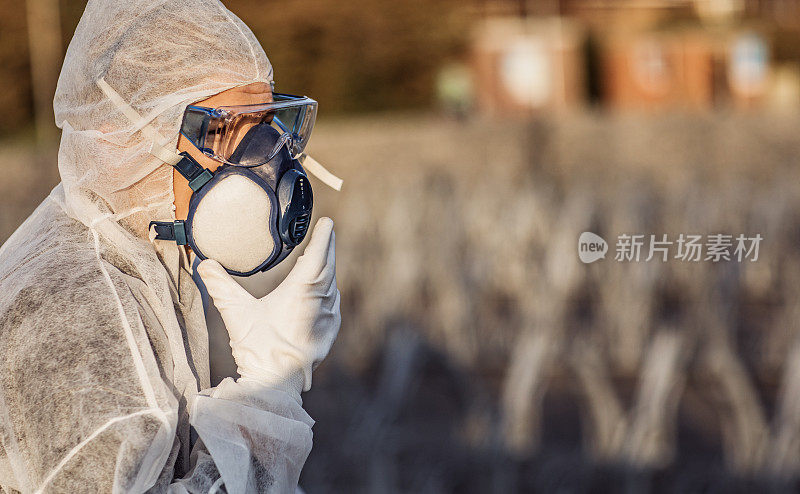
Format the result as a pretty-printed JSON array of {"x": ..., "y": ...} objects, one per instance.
[{"x": 591, "y": 247}]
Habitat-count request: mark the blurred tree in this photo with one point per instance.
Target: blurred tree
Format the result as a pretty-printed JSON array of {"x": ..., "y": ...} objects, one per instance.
[
  {"x": 15, "y": 97},
  {"x": 44, "y": 44}
]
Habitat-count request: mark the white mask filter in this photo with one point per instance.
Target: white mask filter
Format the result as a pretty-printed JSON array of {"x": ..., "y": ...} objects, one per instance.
[{"x": 231, "y": 224}]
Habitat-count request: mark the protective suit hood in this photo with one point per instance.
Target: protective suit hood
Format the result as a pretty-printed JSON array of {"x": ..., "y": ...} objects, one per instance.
[{"x": 104, "y": 161}]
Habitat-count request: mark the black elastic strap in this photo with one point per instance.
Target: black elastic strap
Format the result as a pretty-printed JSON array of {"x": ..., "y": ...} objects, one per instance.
[
  {"x": 193, "y": 171},
  {"x": 166, "y": 230}
]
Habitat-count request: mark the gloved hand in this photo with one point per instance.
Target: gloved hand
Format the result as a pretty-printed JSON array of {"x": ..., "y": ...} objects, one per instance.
[{"x": 279, "y": 339}]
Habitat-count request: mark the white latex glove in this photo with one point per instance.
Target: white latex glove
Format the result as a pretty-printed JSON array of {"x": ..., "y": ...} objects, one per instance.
[{"x": 279, "y": 339}]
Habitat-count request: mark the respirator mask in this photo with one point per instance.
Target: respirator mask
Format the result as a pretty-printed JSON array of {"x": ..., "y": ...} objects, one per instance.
[
  {"x": 256, "y": 207},
  {"x": 252, "y": 211}
]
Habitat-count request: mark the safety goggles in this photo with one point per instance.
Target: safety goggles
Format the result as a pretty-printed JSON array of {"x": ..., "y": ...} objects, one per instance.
[{"x": 217, "y": 131}]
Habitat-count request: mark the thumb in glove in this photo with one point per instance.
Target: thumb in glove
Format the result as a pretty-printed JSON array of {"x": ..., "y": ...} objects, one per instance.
[{"x": 280, "y": 338}]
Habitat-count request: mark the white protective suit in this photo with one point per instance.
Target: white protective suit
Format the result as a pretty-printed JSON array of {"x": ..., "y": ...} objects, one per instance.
[{"x": 103, "y": 343}]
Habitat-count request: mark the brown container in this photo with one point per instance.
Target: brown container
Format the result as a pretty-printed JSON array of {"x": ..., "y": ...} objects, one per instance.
[
  {"x": 528, "y": 65},
  {"x": 658, "y": 70},
  {"x": 688, "y": 69}
]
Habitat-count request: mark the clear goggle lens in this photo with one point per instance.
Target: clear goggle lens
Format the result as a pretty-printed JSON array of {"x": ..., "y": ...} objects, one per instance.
[{"x": 218, "y": 131}]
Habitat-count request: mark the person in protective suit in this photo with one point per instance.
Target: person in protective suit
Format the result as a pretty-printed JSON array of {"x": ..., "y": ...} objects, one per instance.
[{"x": 104, "y": 362}]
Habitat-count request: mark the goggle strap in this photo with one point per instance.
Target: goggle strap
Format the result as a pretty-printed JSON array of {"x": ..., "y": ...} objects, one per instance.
[
  {"x": 169, "y": 230},
  {"x": 315, "y": 168},
  {"x": 165, "y": 154},
  {"x": 124, "y": 107},
  {"x": 136, "y": 119},
  {"x": 161, "y": 152}
]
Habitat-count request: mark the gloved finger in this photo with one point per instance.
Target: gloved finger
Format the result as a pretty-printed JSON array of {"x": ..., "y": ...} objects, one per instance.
[
  {"x": 331, "y": 258},
  {"x": 325, "y": 280},
  {"x": 220, "y": 285},
  {"x": 335, "y": 309},
  {"x": 328, "y": 292},
  {"x": 315, "y": 258}
]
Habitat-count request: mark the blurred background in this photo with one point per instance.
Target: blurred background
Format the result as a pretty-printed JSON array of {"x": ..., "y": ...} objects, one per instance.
[{"x": 477, "y": 140}]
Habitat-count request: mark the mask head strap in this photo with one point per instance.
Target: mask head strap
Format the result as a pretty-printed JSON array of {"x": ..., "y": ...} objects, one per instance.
[
  {"x": 166, "y": 230},
  {"x": 192, "y": 171}
]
